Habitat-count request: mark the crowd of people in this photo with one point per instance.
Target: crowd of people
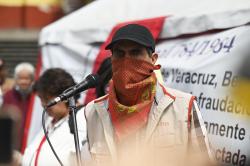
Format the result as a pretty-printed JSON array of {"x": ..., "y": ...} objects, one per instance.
[{"x": 134, "y": 120}]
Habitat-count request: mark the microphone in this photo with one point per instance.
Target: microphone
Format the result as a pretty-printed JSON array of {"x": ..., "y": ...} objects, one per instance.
[{"x": 91, "y": 81}]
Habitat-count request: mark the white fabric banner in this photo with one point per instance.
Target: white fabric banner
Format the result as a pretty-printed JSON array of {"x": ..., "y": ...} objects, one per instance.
[{"x": 206, "y": 66}]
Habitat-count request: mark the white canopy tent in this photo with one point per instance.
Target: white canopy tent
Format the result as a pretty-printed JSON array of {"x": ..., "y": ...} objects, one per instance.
[
  {"x": 93, "y": 22},
  {"x": 76, "y": 33}
]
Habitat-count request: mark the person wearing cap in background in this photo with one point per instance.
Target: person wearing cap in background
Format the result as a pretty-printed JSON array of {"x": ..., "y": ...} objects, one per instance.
[
  {"x": 105, "y": 73},
  {"x": 141, "y": 121},
  {"x": 20, "y": 95}
]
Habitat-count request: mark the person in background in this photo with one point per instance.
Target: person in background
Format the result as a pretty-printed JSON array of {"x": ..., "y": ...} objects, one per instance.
[
  {"x": 2, "y": 79},
  {"x": 242, "y": 88},
  {"x": 140, "y": 121},
  {"x": 105, "y": 73},
  {"x": 50, "y": 85},
  {"x": 10, "y": 121},
  {"x": 20, "y": 95}
]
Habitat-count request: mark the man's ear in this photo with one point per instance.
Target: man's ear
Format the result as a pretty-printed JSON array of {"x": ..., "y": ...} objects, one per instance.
[{"x": 154, "y": 57}]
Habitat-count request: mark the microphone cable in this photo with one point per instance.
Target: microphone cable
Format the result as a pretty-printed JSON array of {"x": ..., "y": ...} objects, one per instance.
[{"x": 47, "y": 138}]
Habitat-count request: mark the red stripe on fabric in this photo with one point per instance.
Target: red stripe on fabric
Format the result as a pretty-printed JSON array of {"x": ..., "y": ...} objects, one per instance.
[
  {"x": 39, "y": 150},
  {"x": 190, "y": 105},
  {"x": 155, "y": 25},
  {"x": 166, "y": 92},
  {"x": 30, "y": 108}
]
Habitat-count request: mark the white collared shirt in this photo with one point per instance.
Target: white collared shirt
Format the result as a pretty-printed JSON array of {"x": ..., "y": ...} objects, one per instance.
[{"x": 62, "y": 141}]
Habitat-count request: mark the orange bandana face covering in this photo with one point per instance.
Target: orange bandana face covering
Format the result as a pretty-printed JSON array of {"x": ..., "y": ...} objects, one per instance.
[
  {"x": 134, "y": 82},
  {"x": 128, "y": 76}
]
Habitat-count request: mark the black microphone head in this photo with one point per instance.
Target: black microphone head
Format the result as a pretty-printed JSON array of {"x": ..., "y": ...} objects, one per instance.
[{"x": 93, "y": 80}]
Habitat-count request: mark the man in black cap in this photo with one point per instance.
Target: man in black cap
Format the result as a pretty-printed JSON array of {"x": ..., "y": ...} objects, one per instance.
[{"x": 141, "y": 122}]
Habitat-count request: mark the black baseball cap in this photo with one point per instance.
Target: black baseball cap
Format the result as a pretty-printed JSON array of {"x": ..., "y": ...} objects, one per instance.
[{"x": 133, "y": 32}]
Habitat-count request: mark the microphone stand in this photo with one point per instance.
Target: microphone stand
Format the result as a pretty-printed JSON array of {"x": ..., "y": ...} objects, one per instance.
[{"x": 72, "y": 107}]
